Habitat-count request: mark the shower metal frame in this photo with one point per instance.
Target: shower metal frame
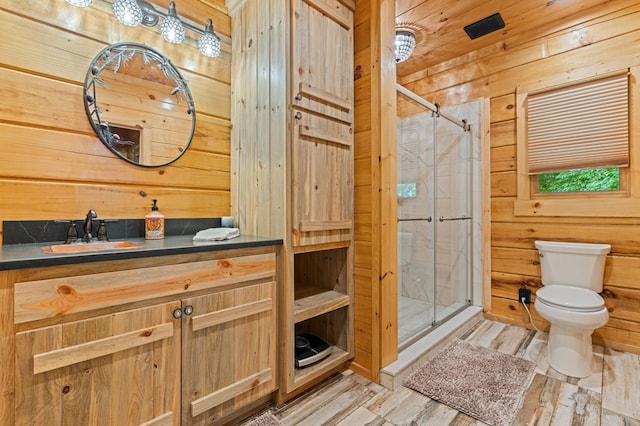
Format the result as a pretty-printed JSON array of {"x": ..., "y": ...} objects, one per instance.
[
  {"x": 466, "y": 127},
  {"x": 435, "y": 108}
]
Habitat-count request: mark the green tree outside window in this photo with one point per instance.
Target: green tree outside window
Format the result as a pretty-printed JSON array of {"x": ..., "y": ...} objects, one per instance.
[{"x": 580, "y": 181}]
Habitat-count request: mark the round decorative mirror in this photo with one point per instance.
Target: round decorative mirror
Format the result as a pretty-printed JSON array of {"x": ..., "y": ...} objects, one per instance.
[{"x": 139, "y": 104}]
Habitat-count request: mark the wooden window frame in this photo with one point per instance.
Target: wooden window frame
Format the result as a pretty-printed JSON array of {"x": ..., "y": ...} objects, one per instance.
[
  {"x": 621, "y": 192},
  {"x": 622, "y": 203}
]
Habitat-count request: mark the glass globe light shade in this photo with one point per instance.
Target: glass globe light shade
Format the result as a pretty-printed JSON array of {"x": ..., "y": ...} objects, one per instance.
[
  {"x": 171, "y": 28},
  {"x": 128, "y": 12},
  {"x": 209, "y": 43},
  {"x": 405, "y": 43},
  {"x": 79, "y": 3}
]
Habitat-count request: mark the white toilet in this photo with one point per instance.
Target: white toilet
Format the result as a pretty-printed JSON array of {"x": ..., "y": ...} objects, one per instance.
[{"x": 572, "y": 276}]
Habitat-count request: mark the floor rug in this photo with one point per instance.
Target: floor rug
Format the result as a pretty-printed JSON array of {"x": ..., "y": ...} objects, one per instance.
[
  {"x": 483, "y": 383},
  {"x": 264, "y": 419}
]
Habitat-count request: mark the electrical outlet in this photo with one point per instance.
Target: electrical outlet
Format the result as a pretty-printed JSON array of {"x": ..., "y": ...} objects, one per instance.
[{"x": 524, "y": 295}]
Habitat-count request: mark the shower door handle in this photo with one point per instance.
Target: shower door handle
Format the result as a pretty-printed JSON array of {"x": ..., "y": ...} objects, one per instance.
[
  {"x": 447, "y": 219},
  {"x": 415, "y": 219}
]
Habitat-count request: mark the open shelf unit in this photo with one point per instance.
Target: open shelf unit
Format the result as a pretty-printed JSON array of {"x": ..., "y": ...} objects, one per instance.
[
  {"x": 318, "y": 304},
  {"x": 323, "y": 306},
  {"x": 332, "y": 328},
  {"x": 321, "y": 284}
]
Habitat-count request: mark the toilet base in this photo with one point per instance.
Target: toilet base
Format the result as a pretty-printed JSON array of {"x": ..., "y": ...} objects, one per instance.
[{"x": 570, "y": 351}]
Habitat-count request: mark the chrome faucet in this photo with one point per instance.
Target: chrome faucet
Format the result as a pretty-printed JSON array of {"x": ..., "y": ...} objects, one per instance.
[{"x": 88, "y": 224}]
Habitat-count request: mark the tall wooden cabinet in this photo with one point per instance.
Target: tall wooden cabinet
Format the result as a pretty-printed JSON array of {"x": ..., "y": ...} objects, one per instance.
[
  {"x": 322, "y": 128},
  {"x": 292, "y": 164}
]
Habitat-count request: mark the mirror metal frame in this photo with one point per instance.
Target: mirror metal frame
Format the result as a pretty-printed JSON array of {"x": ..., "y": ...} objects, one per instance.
[{"x": 110, "y": 58}]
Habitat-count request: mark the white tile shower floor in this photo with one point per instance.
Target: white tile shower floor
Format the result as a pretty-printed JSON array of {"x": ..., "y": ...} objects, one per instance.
[{"x": 415, "y": 316}]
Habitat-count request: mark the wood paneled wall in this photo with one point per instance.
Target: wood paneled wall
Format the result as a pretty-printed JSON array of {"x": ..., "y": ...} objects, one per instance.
[
  {"x": 53, "y": 166},
  {"x": 376, "y": 286},
  {"x": 608, "y": 42}
]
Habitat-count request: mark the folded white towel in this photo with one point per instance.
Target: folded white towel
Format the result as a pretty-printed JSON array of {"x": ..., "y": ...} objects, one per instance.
[{"x": 216, "y": 234}]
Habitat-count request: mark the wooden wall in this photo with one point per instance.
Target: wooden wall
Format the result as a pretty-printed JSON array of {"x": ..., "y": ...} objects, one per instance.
[
  {"x": 376, "y": 286},
  {"x": 53, "y": 166},
  {"x": 610, "y": 41}
]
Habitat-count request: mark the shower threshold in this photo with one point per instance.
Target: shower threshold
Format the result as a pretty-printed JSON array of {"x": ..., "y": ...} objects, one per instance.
[{"x": 412, "y": 357}]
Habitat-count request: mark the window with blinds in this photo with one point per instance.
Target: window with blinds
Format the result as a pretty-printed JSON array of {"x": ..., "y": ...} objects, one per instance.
[{"x": 585, "y": 126}]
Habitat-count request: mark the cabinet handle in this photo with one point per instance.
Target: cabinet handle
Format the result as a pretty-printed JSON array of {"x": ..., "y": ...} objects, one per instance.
[
  {"x": 224, "y": 394},
  {"x": 177, "y": 313},
  {"x": 188, "y": 310},
  {"x": 226, "y": 315},
  {"x": 70, "y": 355},
  {"x": 298, "y": 96},
  {"x": 298, "y": 115}
]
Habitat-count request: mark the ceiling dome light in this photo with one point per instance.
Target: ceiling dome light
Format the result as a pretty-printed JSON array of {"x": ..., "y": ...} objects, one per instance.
[
  {"x": 128, "y": 12},
  {"x": 405, "y": 43},
  {"x": 79, "y": 3},
  {"x": 171, "y": 28},
  {"x": 209, "y": 43}
]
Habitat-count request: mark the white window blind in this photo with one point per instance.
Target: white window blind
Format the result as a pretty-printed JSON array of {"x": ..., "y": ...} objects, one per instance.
[{"x": 584, "y": 126}]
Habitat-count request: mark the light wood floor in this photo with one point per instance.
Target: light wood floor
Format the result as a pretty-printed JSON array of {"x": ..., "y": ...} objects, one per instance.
[{"x": 610, "y": 396}]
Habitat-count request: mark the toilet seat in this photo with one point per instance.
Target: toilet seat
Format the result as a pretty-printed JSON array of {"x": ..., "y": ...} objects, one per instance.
[{"x": 574, "y": 299}]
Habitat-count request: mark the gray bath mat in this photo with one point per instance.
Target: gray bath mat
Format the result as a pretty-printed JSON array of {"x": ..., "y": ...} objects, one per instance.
[{"x": 483, "y": 383}]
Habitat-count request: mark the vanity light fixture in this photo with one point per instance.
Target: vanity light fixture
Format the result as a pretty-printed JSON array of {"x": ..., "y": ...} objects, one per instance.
[
  {"x": 79, "y": 3},
  {"x": 209, "y": 43},
  {"x": 405, "y": 43},
  {"x": 128, "y": 12},
  {"x": 172, "y": 28}
]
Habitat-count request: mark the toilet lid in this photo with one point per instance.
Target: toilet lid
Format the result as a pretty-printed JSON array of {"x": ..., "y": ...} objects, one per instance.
[{"x": 571, "y": 298}]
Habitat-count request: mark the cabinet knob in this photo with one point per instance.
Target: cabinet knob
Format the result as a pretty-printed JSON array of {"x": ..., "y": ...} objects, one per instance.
[
  {"x": 177, "y": 313},
  {"x": 188, "y": 310},
  {"x": 298, "y": 115},
  {"x": 298, "y": 96}
]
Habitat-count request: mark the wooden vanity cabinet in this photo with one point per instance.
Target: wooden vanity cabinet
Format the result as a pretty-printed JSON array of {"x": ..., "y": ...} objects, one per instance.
[
  {"x": 228, "y": 352},
  {"x": 189, "y": 340},
  {"x": 116, "y": 369}
]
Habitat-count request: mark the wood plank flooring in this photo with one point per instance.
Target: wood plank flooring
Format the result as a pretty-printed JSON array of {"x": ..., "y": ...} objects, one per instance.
[{"x": 610, "y": 396}]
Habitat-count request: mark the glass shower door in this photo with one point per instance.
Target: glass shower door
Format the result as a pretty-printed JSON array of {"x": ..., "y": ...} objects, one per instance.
[
  {"x": 453, "y": 219},
  {"x": 434, "y": 220},
  {"x": 416, "y": 226}
]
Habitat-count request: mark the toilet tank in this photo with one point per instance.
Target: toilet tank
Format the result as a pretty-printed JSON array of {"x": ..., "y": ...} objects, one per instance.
[{"x": 573, "y": 264}]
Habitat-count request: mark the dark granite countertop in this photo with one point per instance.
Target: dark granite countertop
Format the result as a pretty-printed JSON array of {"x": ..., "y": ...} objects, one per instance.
[{"x": 18, "y": 256}]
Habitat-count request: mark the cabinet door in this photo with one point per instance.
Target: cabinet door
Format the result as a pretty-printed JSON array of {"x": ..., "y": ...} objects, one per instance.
[
  {"x": 322, "y": 140},
  {"x": 119, "y": 369},
  {"x": 228, "y": 351}
]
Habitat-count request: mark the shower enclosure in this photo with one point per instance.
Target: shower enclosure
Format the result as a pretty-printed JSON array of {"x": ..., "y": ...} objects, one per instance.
[{"x": 436, "y": 209}]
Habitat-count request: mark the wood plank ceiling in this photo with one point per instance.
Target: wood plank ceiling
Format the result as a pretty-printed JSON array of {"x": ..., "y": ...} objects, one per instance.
[{"x": 441, "y": 40}]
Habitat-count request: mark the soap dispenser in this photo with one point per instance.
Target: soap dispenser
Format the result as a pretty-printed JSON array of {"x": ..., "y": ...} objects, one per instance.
[{"x": 154, "y": 223}]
